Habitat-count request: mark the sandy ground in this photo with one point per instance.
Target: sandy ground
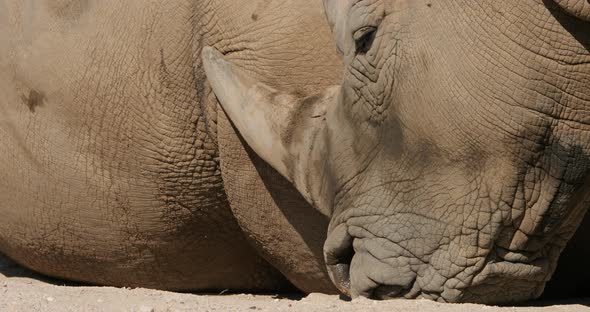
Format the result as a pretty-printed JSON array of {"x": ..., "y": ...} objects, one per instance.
[{"x": 21, "y": 290}]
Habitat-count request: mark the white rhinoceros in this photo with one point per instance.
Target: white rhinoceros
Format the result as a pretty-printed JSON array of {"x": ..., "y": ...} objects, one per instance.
[
  {"x": 454, "y": 157},
  {"x": 450, "y": 157}
]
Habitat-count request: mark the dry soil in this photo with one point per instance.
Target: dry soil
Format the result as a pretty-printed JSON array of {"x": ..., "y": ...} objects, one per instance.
[{"x": 21, "y": 290}]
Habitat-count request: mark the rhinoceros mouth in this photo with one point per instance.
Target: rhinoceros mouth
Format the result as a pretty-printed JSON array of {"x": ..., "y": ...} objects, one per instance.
[
  {"x": 339, "y": 253},
  {"x": 528, "y": 269},
  {"x": 517, "y": 256}
]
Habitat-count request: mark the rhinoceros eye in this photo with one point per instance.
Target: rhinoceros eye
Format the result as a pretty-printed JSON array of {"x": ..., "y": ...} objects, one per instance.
[{"x": 364, "y": 38}]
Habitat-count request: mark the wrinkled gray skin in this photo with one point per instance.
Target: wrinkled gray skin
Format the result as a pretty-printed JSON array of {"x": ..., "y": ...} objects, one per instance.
[
  {"x": 116, "y": 168},
  {"x": 453, "y": 159}
]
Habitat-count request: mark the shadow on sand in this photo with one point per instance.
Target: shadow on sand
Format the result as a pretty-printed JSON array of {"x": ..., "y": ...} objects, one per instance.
[{"x": 10, "y": 269}]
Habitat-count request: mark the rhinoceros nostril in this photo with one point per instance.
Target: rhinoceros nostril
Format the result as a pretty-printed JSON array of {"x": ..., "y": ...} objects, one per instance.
[
  {"x": 340, "y": 275},
  {"x": 338, "y": 251}
]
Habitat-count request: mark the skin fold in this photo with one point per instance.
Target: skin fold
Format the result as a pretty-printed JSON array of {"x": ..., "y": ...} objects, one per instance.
[
  {"x": 443, "y": 144},
  {"x": 117, "y": 168},
  {"x": 453, "y": 158},
  {"x": 295, "y": 54}
]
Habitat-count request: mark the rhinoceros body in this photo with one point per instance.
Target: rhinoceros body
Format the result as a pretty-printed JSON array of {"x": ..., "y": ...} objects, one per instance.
[
  {"x": 111, "y": 138},
  {"x": 382, "y": 148}
]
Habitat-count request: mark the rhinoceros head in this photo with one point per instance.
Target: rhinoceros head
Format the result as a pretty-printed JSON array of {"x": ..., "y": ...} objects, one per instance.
[{"x": 452, "y": 159}]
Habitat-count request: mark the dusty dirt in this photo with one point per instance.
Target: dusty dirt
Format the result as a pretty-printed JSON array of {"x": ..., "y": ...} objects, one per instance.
[{"x": 21, "y": 290}]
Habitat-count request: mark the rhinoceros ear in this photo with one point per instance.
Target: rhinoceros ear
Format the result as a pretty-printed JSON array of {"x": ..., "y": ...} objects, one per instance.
[
  {"x": 336, "y": 11},
  {"x": 287, "y": 132}
]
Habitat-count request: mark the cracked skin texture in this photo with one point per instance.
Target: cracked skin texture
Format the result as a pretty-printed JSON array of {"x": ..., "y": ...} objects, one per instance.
[
  {"x": 118, "y": 158},
  {"x": 454, "y": 159},
  {"x": 475, "y": 116},
  {"x": 109, "y": 135},
  {"x": 299, "y": 58}
]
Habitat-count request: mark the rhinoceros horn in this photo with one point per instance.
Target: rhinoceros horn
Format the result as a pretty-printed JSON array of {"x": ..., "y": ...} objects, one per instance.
[{"x": 286, "y": 131}]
